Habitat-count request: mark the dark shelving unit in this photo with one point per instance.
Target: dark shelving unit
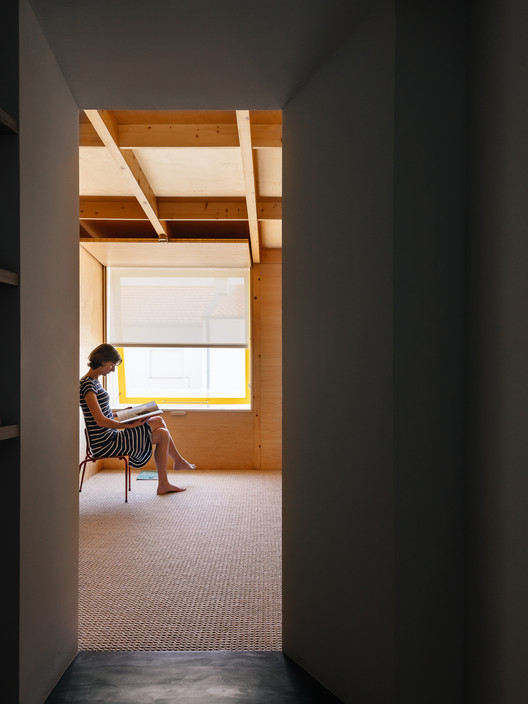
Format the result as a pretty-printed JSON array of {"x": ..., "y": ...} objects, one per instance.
[
  {"x": 8, "y": 124},
  {"x": 8, "y": 277},
  {"x": 10, "y": 332}
]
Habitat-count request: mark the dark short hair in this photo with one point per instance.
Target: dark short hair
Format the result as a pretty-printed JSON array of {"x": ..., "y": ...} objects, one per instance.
[{"x": 102, "y": 354}]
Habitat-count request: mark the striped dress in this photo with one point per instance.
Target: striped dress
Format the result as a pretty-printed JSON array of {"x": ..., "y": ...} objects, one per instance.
[{"x": 108, "y": 442}]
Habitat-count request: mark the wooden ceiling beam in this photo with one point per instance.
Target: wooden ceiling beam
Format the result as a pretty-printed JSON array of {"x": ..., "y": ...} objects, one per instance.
[
  {"x": 177, "y": 135},
  {"x": 189, "y": 117},
  {"x": 248, "y": 165},
  {"x": 110, "y": 209},
  {"x": 269, "y": 208},
  {"x": 131, "y": 136},
  {"x": 107, "y": 128},
  {"x": 186, "y": 240},
  {"x": 264, "y": 136},
  {"x": 93, "y": 208},
  {"x": 203, "y": 210}
]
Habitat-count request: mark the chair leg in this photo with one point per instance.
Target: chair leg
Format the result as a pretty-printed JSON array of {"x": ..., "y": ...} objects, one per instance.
[
  {"x": 128, "y": 474},
  {"x": 127, "y": 477},
  {"x": 83, "y": 465}
]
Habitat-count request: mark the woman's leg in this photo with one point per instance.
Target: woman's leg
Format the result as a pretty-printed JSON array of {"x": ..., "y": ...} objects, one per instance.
[
  {"x": 179, "y": 461},
  {"x": 160, "y": 438}
]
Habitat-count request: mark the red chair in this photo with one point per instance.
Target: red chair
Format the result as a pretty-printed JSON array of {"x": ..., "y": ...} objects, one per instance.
[{"x": 90, "y": 458}]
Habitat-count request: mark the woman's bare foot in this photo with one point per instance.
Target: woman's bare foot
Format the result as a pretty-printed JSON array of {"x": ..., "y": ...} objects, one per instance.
[
  {"x": 183, "y": 464},
  {"x": 167, "y": 489}
]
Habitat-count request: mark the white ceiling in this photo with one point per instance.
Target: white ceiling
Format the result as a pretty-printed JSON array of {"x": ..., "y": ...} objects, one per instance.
[{"x": 193, "y": 54}]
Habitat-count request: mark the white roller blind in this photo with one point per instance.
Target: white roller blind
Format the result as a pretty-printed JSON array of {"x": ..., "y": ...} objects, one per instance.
[{"x": 177, "y": 307}]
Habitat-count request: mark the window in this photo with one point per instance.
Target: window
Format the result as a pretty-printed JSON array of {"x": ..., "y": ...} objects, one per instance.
[{"x": 183, "y": 335}]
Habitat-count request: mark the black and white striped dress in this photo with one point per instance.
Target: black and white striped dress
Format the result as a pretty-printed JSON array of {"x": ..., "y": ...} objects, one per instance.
[{"x": 108, "y": 442}]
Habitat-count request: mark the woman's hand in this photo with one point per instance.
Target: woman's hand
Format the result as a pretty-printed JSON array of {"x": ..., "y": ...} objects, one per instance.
[
  {"x": 134, "y": 423},
  {"x": 114, "y": 415}
]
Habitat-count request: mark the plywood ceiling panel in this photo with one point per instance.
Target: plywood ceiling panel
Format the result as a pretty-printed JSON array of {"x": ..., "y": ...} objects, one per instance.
[
  {"x": 193, "y": 172},
  {"x": 268, "y": 166},
  {"x": 99, "y": 175},
  {"x": 271, "y": 233}
]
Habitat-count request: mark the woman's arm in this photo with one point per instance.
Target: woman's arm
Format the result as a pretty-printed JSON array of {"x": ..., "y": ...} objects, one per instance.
[{"x": 101, "y": 419}]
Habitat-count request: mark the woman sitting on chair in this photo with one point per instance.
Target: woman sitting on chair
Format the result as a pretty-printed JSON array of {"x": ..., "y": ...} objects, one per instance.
[{"x": 136, "y": 438}]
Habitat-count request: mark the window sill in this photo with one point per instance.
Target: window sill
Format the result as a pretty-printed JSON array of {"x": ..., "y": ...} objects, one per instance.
[
  {"x": 178, "y": 411},
  {"x": 207, "y": 409}
]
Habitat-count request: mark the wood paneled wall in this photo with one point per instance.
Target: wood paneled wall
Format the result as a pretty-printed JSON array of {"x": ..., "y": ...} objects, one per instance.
[
  {"x": 271, "y": 361},
  {"x": 91, "y": 332},
  {"x": 222, "y": 439}
]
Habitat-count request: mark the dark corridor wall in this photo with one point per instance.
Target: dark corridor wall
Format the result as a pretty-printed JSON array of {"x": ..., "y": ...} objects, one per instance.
[
  {"x": 430, "y": 192},
  {"x": 374, "y": 332},
  {"x": 497, "y": 369},
  {"x": 338, "y": 515}
]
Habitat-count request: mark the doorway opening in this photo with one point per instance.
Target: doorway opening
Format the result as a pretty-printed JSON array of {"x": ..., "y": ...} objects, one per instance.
[{"x": 188, "y": 191}]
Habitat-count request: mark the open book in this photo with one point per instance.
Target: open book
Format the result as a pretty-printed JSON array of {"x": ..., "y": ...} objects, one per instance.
[{"x": 144, "y": 411}]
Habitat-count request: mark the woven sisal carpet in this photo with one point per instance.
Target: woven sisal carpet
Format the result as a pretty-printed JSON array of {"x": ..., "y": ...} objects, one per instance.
[{"x": 198, "y": 570}]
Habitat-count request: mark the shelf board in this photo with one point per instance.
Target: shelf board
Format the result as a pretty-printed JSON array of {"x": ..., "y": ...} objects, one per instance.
[
  {"x": 8, "y": 277},
  {"x": 8, "y": 124},
  {"x": 9, "y": 431}
]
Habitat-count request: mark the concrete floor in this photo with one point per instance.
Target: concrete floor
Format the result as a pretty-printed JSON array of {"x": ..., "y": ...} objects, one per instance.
[{"x": 187, "y": 678}]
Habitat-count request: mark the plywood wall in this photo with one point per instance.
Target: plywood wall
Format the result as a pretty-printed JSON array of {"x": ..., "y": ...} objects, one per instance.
[
  {"x": 222, "y": 439},
  {"x": 91, "y": 332},
  {"x": 91, "y": 303},
  {"x": 271, "y": 362}
]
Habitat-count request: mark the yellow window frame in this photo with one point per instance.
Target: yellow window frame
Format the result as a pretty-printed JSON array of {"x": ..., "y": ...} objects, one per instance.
[{"x": 123, "y": 398}]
